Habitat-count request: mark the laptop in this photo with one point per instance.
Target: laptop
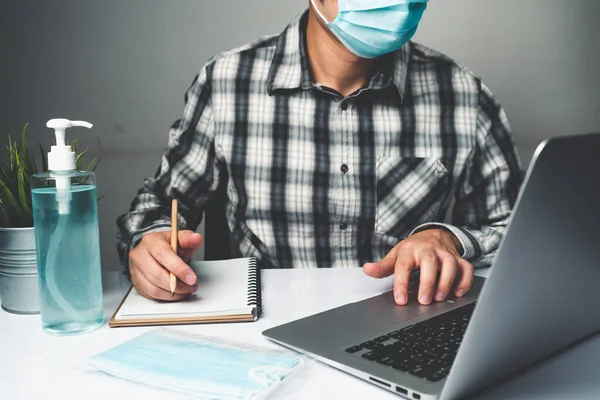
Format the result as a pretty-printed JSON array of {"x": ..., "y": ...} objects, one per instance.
[{"x": 541, "y": 296}]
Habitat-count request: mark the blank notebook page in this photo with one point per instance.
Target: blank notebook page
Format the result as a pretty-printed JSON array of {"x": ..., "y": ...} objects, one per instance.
[{"x": 222, "y": 290}]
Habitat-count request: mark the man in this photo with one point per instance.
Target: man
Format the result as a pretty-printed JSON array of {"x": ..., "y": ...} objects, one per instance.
[{"x": 338, "y": 143}]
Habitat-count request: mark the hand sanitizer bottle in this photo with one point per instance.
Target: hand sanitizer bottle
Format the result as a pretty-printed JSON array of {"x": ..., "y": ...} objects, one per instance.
[{"x": 65, "y": 217}]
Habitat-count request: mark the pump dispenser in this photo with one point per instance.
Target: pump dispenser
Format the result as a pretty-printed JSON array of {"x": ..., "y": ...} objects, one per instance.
[
  {"x": 62, "y": 158},
  {"x": 65, "y": 217}
]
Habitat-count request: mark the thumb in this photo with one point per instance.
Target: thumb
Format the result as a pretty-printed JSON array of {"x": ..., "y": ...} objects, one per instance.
[
  {"x": 189, "y": 243},
  {"x": 383, "y": 268}
]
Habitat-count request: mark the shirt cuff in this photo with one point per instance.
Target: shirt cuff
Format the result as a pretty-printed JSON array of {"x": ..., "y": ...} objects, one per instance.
[
  {"x": 470, "y": 246},
  {"x": 136, "y": 237}
]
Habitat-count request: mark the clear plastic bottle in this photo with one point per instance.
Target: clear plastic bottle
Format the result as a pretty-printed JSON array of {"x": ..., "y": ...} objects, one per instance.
[{"x": 65, "y": 213}]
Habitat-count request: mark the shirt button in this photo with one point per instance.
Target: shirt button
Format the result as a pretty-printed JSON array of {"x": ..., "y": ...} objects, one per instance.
[
  {"x": 344, "y": 106},
  {"x": 344, "y": 168},
  {"x": 343, "y": 226}
]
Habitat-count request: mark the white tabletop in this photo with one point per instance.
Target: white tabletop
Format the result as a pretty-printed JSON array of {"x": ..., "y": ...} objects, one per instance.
[{"x": 37, "y": 365}]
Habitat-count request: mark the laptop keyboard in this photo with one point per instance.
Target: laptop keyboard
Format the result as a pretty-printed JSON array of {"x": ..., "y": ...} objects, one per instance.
[{"x": 425, "y": 350}]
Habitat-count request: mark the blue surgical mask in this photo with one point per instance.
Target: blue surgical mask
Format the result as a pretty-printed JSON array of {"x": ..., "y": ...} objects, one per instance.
[
  {"x": 202, "y": 367},
  {"x": 372, "y": 28}
]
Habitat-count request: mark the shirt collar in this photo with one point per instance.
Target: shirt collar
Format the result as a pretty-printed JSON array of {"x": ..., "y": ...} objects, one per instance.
[
  {"x": 290, "y": 68},
  {"x": 393, "y": 70}
]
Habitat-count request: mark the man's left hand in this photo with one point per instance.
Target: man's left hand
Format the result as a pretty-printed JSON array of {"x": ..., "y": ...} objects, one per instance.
[{"x": 437, "y": 253}]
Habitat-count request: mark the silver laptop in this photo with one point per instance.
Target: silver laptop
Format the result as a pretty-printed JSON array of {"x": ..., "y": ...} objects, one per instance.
[{"x": 541, "y": 296}]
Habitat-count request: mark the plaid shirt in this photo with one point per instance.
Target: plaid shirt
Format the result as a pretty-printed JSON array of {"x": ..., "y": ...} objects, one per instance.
[{"x": 315, "y": 179}]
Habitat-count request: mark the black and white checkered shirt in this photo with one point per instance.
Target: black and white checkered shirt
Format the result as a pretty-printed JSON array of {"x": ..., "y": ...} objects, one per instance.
[{"x": 315, "y": 179}]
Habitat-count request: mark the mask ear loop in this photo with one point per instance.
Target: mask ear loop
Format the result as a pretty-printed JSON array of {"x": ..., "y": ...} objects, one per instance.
[
  {"x": 319, "y": 12},
  {"x": 267, "y": 375}
]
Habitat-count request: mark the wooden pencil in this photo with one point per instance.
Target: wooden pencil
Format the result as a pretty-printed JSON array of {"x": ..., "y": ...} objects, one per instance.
[{"x": 174, "y": 246}]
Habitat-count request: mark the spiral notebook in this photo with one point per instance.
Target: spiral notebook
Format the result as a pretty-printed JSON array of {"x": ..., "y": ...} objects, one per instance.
[{"x": 228, "y": 291}]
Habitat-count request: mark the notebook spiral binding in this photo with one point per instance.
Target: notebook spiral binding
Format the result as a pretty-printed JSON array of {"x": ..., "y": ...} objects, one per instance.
[{"x": 254, "y": 287}]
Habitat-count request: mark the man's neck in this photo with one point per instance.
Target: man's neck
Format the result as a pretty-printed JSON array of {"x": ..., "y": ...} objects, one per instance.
[{"x": 332, "y": 64}]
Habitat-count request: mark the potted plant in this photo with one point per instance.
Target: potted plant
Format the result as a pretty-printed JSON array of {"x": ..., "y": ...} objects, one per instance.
[{"x": 18, "y": 261}]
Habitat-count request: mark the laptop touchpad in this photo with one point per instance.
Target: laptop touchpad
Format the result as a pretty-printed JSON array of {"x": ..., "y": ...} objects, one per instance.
[{"x": 384, "y": 308}]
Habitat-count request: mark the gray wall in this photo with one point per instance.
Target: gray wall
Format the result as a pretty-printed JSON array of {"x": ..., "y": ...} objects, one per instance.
[{"x": 125, "y": 64}]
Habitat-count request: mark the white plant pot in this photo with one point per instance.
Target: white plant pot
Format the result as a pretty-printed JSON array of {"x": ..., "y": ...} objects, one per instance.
[{"x": 19, "y": 288}]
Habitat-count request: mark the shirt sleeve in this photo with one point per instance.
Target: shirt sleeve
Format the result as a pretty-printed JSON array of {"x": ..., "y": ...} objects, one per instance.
[
  {"x": 488, "y": 187},
  {"x": 189, "y": 172}
]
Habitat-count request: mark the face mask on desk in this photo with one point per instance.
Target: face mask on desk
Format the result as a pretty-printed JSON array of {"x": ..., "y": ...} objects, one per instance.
[
  {"x": 208, "y": 369},
  {"x": 372, "y": 28}
]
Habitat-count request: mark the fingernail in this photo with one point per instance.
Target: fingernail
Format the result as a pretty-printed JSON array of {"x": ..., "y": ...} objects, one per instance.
[
  {"x": 400, "y": 298},
  {"x": 460, "y": 293},
  {"x": 189, "y": 279},
  {"x": 440, "y": 297},
  {"x": 194, "y": 288},
  {"x": 425, "y": 299}
]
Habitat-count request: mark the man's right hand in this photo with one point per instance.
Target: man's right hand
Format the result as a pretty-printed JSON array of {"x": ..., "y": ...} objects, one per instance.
[{"x": 152, "y": 260}]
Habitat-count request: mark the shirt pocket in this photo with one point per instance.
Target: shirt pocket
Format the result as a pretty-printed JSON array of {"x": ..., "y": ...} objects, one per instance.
[{"x": 410, "y": 192}]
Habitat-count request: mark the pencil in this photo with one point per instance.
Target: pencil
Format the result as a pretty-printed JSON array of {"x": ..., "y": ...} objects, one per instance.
[{"x": 174, "y": 213}]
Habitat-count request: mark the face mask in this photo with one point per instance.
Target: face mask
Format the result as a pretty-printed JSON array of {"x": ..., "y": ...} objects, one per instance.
[
  {"x": 206, "y": 368},
  {"x": 372, "y": 28}
]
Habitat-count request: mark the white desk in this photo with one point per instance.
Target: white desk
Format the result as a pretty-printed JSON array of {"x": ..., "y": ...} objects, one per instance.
[{"x": 34, "y": 365}]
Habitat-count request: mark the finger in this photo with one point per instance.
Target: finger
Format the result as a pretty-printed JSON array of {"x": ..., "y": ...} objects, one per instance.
[
  {"x": 466, "y": 278},
  {"x": 165, "y": 257},
  {"x": 383, "y": 268},
  {"x": 447, "y": 276},
  {"x": 405, "y": 263},
  {"x": 159, "y": 276},
  {"x": 184, "y": 288},
  {"x": 189, "y": 243},
  {"x": 430, "y": 265},
  {"x": 150, "y": 291}
]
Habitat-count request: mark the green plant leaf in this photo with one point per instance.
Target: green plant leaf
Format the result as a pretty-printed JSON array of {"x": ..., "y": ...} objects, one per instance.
[
  {"x": 3, "y": 170},
  {"x": 26, "y": 159},
  {"x": 23, "y": 146},
  {"x": 11, "y": 154},
  {"x": 106, "y": 194},
  {"x": 79, "y": 156},
  {"x": 93, "y": 164},
  {"x": 21, "y": 188},
  {"x": 24, "y": 190},
  {"x": 4, "y": 220},
  {"x": 11, "y": 200}
]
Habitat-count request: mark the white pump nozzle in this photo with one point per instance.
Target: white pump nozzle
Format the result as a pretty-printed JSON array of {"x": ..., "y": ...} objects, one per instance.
[{"x": 61, "y": 157}]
